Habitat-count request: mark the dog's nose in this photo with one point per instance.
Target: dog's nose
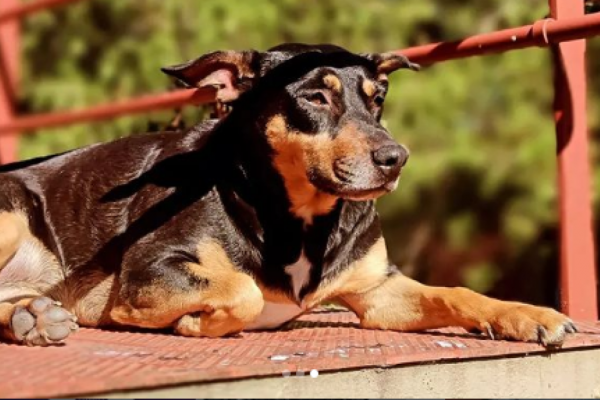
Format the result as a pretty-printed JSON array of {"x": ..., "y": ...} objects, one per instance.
[{"x": 390, "y": 157}]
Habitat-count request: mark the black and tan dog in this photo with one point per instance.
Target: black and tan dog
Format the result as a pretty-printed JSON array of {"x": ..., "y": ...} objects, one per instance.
[{"x": 242, "y": 223}]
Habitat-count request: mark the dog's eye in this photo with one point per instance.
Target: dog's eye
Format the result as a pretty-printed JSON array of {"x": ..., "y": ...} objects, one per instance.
[
  {"x": 378, "y": 100},
  {"x": 317, "y": 98}
]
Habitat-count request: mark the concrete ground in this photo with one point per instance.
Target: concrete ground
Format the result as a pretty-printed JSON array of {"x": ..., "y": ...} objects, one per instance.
[{"x": 572, "y": 374}]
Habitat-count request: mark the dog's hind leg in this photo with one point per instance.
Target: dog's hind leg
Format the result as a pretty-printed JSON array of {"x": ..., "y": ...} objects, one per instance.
[
  {"x": 13, "y": 229},
  {"x": 37, "y": 321},
  {"x": 27, "y": 270},
  {"x": 27, "y": 267}
]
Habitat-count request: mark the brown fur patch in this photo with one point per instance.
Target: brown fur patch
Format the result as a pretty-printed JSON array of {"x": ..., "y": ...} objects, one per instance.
[
  {"x": 241, "y": 60},
  {"x": 273, "y": 296},
  {"x": 396, "y": 302},
  {"x": 403, "y": 304},
  {"x": 333, "y": 82},
  {"x": 14, "y": 227},
  {"x": 229, "y": 302},
  {"x": 369, "y": 87},
  {"x": 6, "y": 312},
  {"x": 297, "y": 153},
  {"x": 350, "y": 143},
  {"x": 27, "y": 267},
  {"x": 88, "y": 296},
  {"x": 361, "y": 276}
]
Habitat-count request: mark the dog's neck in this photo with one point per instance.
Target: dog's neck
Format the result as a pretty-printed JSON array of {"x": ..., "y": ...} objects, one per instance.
[
  {"x": 256, "y": 198},
  {"x": 259, "y": 182}
]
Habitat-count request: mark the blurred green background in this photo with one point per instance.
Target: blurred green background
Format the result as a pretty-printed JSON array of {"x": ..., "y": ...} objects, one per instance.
[{"x": 477, "y": 204}]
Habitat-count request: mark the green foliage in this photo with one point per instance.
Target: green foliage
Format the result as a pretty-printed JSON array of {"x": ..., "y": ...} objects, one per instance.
[
  {"x": 480, "y": 277},
  {"x": 480, "y": 184}
]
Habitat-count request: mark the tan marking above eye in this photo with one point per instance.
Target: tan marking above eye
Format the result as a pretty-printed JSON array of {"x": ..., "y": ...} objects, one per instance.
[
  {"x": 369, "y": 88},
  {"x": 333, "y": 82}
]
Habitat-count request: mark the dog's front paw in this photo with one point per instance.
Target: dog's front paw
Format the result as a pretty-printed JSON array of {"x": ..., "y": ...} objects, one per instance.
[
  {"x": 42, "y": 323},
  {"x": 528, "y": 323}
]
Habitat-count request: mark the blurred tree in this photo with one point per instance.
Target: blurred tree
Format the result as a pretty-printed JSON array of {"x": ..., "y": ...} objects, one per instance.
[{"x": 477, "y": 203}]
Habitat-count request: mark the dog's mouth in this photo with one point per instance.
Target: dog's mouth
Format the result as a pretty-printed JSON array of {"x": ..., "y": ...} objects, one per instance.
[
  {"x": 354, "y": 184},
  {"x": 370, "y": 193}
]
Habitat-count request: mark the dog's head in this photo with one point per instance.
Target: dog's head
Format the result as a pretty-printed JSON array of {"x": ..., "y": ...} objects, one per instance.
[{"x": 319, "y": 107}]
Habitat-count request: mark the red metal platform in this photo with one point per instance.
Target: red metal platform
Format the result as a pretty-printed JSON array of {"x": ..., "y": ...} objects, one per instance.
[{"x": 96, "y": 361}]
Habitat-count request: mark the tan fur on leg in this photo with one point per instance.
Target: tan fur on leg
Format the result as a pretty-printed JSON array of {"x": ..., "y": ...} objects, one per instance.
[
  {"x": 400, "y": 303},
  {"x": 13, "y": 229},
  {"x": 229, "y": 302},
  {"x": 403, "y": 304}
]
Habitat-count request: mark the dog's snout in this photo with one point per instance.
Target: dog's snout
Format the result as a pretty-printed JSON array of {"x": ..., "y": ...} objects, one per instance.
[{"x": 390, "y": 156}]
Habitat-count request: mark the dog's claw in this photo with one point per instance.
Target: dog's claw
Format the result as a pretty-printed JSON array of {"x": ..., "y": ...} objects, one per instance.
[
  {"x": 542, "y": 335},
  {"x": 490, "y": 332}
]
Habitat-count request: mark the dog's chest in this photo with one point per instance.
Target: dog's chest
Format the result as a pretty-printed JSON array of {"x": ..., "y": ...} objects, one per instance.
[
  {"x": 276, "y": 314},
  {"x": 299, "y": 273}
]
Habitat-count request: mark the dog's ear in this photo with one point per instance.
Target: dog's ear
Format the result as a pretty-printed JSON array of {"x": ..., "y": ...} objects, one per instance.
[
  {"x": 389, "y": 62},
  {"x": 229, "y": 72}
]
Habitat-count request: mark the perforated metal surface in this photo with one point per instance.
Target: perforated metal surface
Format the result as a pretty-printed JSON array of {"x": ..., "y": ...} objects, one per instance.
[{"x": 95, "y": 361}]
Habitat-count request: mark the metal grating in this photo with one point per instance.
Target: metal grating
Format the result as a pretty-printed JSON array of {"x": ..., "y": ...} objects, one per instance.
[{"x": 96, "y": 361}]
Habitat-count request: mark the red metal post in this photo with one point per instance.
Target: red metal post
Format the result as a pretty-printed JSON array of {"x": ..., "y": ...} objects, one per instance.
[
  {"x": 9, "y": 64},
  {"x": 577, "y": 269}
]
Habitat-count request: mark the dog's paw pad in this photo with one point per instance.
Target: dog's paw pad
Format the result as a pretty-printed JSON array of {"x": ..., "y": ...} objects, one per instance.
[
  {"x": 42, "y": 323},
  {"x": 21, "y": 323},
  {"x": 41, "y": 304}
]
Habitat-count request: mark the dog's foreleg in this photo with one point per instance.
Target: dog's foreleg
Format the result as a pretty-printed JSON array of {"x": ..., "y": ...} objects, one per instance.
[
  {"x": 215, "y": 298},
  {"x": 394, "y": 301},
  {"x": 400, "y": 303}
]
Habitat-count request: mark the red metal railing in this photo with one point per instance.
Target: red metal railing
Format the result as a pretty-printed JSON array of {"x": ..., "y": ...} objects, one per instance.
[
  {"x": 541, "y": 33},
  {"x": 161, "y": 101},
  {"x": 564, "y": 32},
  {"x": 15, "y": 9}
]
